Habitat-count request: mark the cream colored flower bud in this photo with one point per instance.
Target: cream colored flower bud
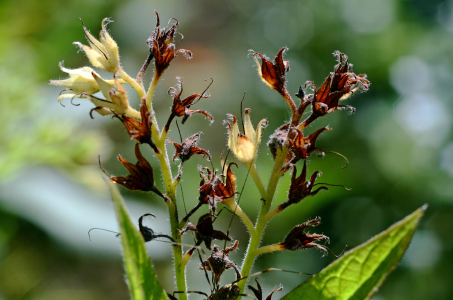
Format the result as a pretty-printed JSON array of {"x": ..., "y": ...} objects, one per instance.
[
  {"x": 79, "y": 81},
  {"x": 115, "y": 97},
  {"x": 119, "y": 98},
  {"x": 245, "y": 146},
  {"x": 102, "y": 54}
]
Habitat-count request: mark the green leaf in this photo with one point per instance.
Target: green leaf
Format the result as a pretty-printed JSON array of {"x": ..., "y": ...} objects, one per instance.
[
  {"x": 360, "y": 272},
  {"x": 142, "y": 281}
]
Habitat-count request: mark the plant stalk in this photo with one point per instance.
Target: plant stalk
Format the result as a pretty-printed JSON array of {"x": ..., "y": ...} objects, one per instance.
[
  {"x": 172, "y": 206},
  {"x": 137, "y": 87},
  {"x": 255, "y": 238}
]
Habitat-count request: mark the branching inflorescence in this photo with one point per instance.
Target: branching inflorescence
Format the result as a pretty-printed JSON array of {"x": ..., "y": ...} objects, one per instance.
[{"x": 289, "y": 145}]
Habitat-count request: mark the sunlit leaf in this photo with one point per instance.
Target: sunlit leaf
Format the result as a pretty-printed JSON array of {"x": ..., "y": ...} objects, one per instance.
[
  {"x": 359, "y": 273},
  {"x": 142, "y": 281}
]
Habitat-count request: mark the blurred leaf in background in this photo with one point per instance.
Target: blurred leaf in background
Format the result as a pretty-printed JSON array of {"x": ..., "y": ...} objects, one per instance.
[{"x": 399, "y": 142}]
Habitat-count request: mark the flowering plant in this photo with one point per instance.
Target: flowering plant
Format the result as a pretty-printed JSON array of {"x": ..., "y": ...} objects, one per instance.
[{"x": 289, "y": 144}]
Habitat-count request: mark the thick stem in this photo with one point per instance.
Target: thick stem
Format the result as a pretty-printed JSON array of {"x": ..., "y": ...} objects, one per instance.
[
  {"x": 173, "y": 212},
  {"x": 177, "y": 249},
  {"x": 261, "y": 223}
]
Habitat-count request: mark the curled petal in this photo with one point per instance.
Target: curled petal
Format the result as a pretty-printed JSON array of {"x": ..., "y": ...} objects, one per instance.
[{"x": 141, "y": 175}]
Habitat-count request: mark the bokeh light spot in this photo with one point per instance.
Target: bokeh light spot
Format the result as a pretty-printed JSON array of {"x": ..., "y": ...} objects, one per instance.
[
  {"x": 424, "y": 117},
  {"x": 446, "y": 159},
  {"x": 424, "y": 251},
  {"x": 368, "y": 16},
  {"x": 410, "y": 75}
]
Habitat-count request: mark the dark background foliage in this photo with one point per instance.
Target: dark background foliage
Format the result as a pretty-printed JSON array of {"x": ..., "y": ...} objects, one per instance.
[{"x": 399, "y": 142}]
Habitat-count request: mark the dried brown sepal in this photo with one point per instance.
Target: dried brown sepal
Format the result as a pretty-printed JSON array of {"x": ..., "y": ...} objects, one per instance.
[
  {"x": 305, "y": 101},
  {"x": 303, "y": 147},
  {"x": 188, "y": 148},
  {"x": 140, "y": 130},
  {"x": 213, "y": 189},
  {"x": 141, "y": 176},
  {"x": 147, "y": 233},
  {"x": 273, "y": 73},
  {"x": 300, "y": 187},
  {"x": 161, "y": 44},
  {"x": 228, "y": 291},
  {"x": 218, "y": 262},
  {"x": 340, "y": 84},
  {"x": 204, "y": 231},
  {"x": 259, "y": 292},
  {"x": 181, "y": 108},
  {"x": 297, "y": 239}
]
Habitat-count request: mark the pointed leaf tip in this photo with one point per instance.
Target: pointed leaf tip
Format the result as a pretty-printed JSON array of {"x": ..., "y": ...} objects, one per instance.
[{"x": 359, "y": 273}]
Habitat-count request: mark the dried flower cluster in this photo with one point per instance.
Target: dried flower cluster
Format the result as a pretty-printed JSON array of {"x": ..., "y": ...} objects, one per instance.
[{"x": 289, "y": 145}]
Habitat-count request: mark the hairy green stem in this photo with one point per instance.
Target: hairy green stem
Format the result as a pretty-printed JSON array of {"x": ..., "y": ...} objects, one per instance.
[
  {"x": 137, "y": 87},
  {"x": 152, "y": 88},
  {"x": 171, "y": 193},
  {"x": 177, "y": 249},
  {"x": 255, "y": 238},
  {"x": 272, "y": 213},
  {"x": 257, "y": 179},
  {"x": 269, "y": 248},
  {"x": 174, "y": 220},
  {"x": 240, "y": 213}
]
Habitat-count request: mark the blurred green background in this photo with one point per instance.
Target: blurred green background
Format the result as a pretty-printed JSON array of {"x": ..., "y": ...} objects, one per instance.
[{"x": 399, "y": 142}]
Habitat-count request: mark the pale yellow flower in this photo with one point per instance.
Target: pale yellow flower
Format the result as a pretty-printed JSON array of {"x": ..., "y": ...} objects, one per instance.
[
  {"x": 115, "y": 97},
  {"x": 80, "y": 81},
  {"x": 102, "y": 53},
  {"x": 245, "y": 145}
]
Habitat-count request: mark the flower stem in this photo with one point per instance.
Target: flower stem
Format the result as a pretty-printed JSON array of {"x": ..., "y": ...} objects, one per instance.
[
  {"x": 152, "y": 88},
  {"x": 272, "y": 213},
  {"x": 172, "y": 206},
  {"x": 269, "y": 248},
  {"x": 287, "y": 97},
  {"x": 257, "y": 179},
  {"x": 174, "y": 220},
  {"x": 130, "y": 112},
  {"x": 185, "y": 259},
  {"x": 256, "y": 237},
  {"x": 240, "y": 213},
  {"x": 137, "y": 87}
]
